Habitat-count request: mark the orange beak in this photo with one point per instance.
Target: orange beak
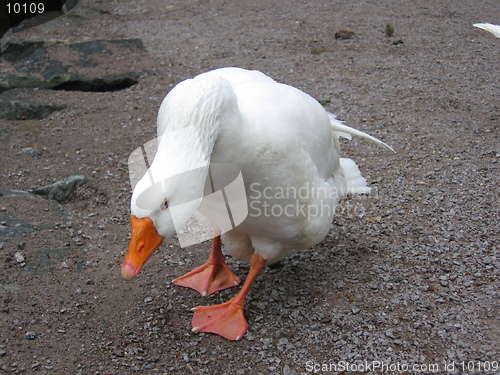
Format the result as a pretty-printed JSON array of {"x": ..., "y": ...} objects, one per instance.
[{"x": 144, "y": 242}]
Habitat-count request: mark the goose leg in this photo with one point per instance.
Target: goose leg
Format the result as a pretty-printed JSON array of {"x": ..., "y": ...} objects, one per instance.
[
  {"x": 212, "y": 276},
  {"x": 227, "y": 319}
]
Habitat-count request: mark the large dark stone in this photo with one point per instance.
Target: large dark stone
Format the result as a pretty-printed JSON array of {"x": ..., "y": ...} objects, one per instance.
[
  {"x": 36, "y": 67},
  {"x": 71, "y": 82},
  {"x": 26, "y": 110},
  {"x": 8, "y": 82},
  {"x": 15, "y": 50}
]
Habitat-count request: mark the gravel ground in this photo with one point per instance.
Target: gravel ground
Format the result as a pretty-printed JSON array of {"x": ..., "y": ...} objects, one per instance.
[{"x": 408, "y": 276}]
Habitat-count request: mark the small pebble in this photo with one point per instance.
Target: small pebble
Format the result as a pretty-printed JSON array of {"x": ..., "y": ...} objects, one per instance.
[
  {"x": 19, "y": 257},
  {"x": 389, "y": 30},
  {"x": 344, "y": 34},
  {"x": 30, "y": 335}
]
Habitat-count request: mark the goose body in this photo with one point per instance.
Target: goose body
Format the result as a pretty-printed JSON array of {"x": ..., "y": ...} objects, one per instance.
[{"x": 286, "y": 146}]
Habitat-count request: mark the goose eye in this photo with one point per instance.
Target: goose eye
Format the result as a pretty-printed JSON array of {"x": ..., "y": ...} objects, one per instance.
[{"x": 164, "y": 205}]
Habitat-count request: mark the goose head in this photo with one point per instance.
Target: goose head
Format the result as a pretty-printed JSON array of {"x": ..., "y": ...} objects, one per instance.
[
  {"x": 158, "y": 211},
  {"x": 172, "y": 188}
]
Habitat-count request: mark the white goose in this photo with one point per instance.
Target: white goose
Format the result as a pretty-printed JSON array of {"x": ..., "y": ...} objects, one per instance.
[{"x": 287, "y": 148}]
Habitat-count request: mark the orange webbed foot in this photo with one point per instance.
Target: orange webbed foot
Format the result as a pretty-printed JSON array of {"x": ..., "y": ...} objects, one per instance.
[
  {"x": 208, "y": 278},
  {"x": 212, "y": 276},
  {"x": 226, "y": 320}
]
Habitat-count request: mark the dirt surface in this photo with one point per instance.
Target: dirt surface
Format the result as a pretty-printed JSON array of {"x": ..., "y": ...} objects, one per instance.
[{"x": 408, "y": 276}]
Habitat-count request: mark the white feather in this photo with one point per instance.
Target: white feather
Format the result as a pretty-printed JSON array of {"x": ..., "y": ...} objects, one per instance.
[
  {"x": 494, "y": 29},
  {"x": 346, "y": 132}
]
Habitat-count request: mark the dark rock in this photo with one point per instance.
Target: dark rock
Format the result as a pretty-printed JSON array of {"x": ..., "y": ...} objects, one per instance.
[
  {"x": 27, "y": 49},
  {"x": 30, "y": 151},
  {"x": 91, "y": 47},
  {"x": 55, "y": 69},
  {"x": 389, "y": 30},
  {"x": 37, "y": 65},
  {"x": 26, "y": 110},
  {"x": 60, "y": 190},
  {"x": 30, "y": 335},
  {"x": 344, "y": 34},
  {"x": 8, "y": 82},
  {"x": 71, "y": 82}
]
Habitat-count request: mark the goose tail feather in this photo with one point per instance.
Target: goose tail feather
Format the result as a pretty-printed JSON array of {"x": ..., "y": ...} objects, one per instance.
[{"x": 345, "y": 131}]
